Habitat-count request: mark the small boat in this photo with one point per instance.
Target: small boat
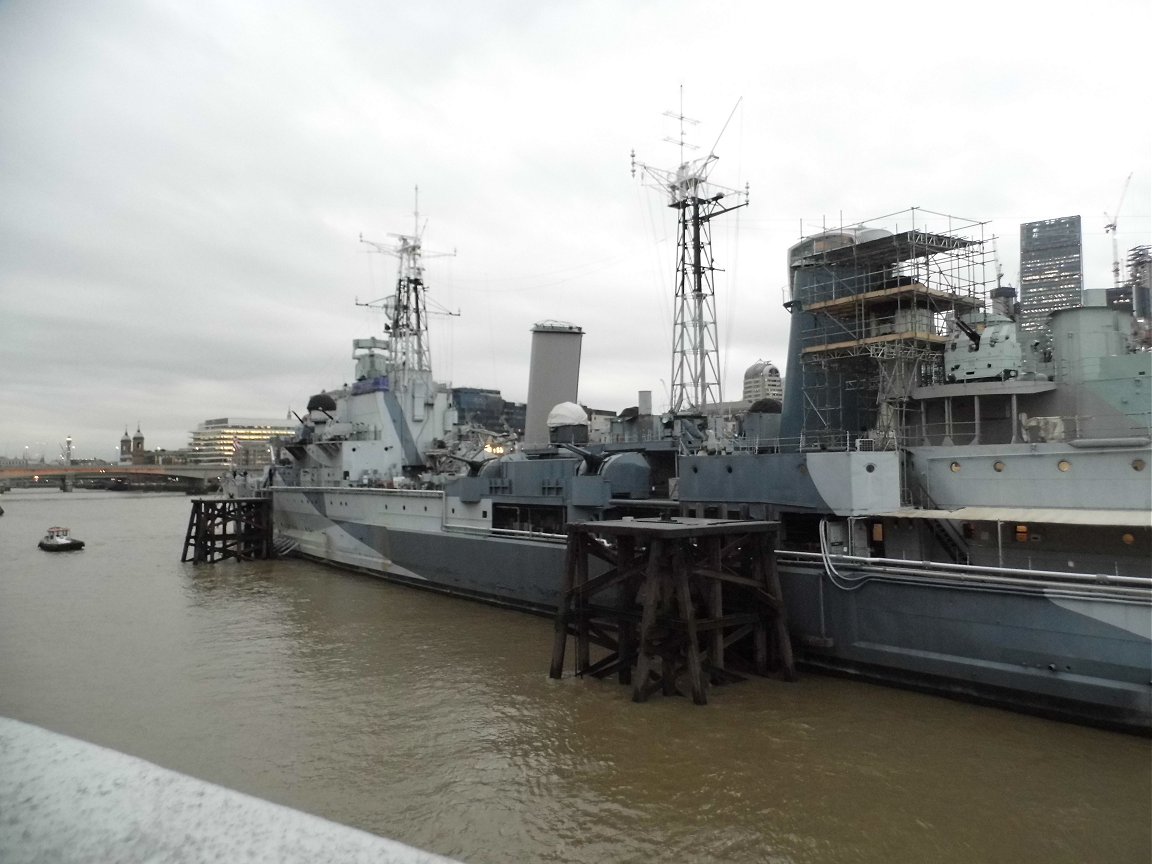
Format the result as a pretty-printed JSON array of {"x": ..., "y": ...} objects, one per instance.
[{"x": 57, "y": 540}]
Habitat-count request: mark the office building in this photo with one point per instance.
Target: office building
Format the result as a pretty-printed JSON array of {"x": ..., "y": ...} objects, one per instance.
[
  {"x": 1051, "y": 270},
  {"x": 233, "y": 440}
]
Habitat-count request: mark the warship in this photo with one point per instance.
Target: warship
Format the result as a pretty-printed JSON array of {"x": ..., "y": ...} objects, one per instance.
[{"x": 964, "y": 506}]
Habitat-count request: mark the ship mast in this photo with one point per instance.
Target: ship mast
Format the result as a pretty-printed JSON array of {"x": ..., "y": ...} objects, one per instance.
[
  {"x": 695, "y": 351},
  {"x": 407, "y": 310}
]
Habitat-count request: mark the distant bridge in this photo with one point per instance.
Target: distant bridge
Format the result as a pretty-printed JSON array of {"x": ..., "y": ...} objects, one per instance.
[{"x": 194, "y": 472}]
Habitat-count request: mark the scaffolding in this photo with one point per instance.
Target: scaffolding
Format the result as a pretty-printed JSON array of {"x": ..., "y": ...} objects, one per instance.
[
  {"x": 1140, "y": 281},
  {"x": 876, "y": 306}
]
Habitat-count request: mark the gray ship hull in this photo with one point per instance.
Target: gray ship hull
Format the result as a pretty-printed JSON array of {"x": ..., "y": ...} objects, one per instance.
[
  {"x": 512, "y": 571},
  {"x": 1061, "y": 653},
  {"x": 1075, "y": 658}
]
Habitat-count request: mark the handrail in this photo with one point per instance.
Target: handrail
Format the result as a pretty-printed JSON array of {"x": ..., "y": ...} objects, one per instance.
[
  {"x": 511, "y": 533},
  {"x": 1118, "y": 431},
  {"x": 1094, "y": 578},
  {"x": 1074, "y": 585}
]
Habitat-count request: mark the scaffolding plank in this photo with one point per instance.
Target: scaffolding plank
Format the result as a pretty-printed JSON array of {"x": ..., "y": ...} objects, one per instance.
[
  {"x": 906, "y": 336},
  {"x": 915, "y": 290}
]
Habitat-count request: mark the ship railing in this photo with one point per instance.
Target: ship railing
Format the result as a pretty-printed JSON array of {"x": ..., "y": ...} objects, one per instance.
[
  {"x": 348, "y": 486},
  {"x": 528, "y": 534},
  {"x": 510, "y": 533},
  {"x": 831, "y": 440},
  {"x": 1026, "y": 429},
  {"x": 757, "y": 444},
  {"x": 377, "y": 488}
]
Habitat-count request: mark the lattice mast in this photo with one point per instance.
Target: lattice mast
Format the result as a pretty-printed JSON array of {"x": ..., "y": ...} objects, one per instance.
[
  {"x": 695, "y": 350},
  {"x": 407, "y": 310}
]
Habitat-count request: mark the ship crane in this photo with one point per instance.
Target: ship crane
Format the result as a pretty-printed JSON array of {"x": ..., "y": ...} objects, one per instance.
[{"x": 1110, "y": 228}]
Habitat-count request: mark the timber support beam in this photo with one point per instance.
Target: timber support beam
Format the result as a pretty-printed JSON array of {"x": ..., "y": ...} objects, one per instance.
[{"x": 673, "y": 605}]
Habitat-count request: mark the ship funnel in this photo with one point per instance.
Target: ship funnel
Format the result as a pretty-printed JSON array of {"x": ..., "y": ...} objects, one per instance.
[{"x": 553, "y": 375}]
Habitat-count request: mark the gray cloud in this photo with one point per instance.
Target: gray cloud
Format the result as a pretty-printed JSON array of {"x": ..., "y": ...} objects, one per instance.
[{"x": 182, "y": 185}]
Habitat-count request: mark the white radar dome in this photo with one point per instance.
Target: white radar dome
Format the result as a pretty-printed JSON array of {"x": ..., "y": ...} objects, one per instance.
[{"x": 567, "y": 414}]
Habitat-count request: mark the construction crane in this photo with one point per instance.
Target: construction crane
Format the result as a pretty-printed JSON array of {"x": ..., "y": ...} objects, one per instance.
[{"x": 1110, "y": 228}]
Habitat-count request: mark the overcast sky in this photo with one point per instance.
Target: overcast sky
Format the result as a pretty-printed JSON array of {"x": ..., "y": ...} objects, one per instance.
[{"x": 183, "y": 185}]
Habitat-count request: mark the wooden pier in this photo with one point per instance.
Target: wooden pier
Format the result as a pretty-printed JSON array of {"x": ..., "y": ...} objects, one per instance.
[
  {"x": 220, "y": 528},
  {"x": 680, "y": 599}
]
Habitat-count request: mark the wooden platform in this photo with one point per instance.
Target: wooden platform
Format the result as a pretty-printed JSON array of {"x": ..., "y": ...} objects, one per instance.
[
  {"x": 220, "y": 528},
  {"x": 680, "y": 597},
  {"x": 905, "y": 336},
  {"x": 919, "y": 294}
]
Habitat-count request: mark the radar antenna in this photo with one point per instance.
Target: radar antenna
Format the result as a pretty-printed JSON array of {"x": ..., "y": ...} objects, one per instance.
[
  {"x": 695, "y": 351},
  {"x": 681, "y": 141}
]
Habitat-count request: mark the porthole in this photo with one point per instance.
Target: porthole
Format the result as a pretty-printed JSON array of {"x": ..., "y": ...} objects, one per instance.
[
  {"x": 728, "y": 468},
  {"x": 1128, "y": 539},
  {"x": 998, "y": 466},
  {"x": 1064, "y": 465},
  {"x": 869, "y": 467},
  {"x": 1138, "y": 465},
  {"x": 954, "y": 467}
]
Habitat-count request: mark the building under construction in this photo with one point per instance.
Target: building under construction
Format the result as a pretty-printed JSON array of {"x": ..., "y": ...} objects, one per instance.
[
  {"x": 1140, "y": 281},
  {"x": 870, "y": 310}
]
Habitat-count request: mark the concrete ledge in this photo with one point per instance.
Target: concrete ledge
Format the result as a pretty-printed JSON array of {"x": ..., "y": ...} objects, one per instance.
[{"x": 64, "y": 800}]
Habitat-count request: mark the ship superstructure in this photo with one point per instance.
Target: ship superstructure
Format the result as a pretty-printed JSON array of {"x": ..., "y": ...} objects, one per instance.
[
  {"x": 394, "y": 426},
  {"x": 964, "y": 508}
]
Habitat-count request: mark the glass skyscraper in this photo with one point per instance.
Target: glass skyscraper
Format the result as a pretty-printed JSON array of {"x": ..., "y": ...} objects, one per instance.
[{"x": 1051, "y": 270}]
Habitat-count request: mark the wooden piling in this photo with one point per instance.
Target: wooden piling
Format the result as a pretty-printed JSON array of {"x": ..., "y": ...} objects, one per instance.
[
  {"x": 675, "y": 597},
  {"x": 220, "y": 528}
]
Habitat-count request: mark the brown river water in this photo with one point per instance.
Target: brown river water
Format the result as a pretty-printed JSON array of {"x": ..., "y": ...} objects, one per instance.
[{"x": 433, "y": 721}]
